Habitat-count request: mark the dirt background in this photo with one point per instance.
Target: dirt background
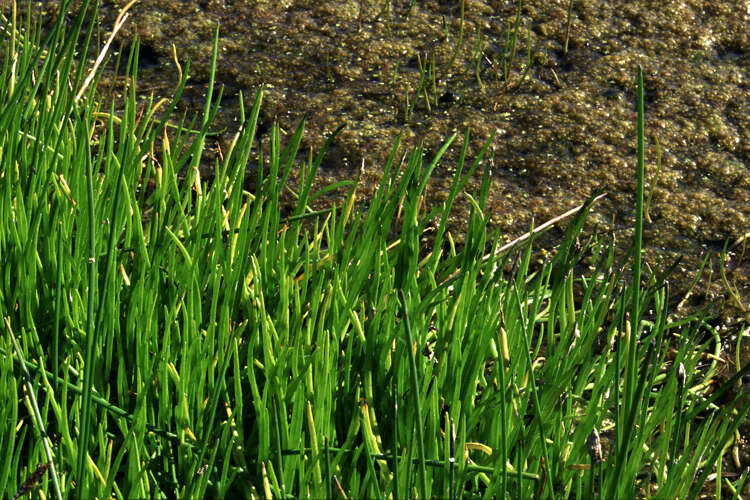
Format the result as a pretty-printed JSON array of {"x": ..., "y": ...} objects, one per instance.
[{"x": 564, "y": 121}]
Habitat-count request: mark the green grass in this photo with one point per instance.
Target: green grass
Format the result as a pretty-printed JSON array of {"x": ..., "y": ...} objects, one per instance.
[{"x": 170, "y": 336}]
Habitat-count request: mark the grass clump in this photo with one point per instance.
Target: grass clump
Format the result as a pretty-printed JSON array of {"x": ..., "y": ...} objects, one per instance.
[{"x": 172, "y": 336}]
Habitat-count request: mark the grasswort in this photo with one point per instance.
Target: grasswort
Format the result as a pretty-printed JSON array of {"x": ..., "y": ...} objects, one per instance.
[{"x": 174, "y": 336}]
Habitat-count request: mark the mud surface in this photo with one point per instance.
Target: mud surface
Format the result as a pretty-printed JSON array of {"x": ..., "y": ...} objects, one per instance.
[{"x": 564, "y": 122}]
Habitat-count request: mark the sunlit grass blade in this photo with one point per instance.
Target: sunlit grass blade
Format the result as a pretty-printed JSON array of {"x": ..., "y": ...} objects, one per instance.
[{"x": 36, "y": 413}]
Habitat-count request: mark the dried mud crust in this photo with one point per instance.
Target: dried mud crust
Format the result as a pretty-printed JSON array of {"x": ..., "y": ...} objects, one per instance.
[{"x": 565, "y": 130}]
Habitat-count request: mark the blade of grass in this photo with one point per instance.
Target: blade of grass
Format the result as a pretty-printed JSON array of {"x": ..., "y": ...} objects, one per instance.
[
  {"x": 415, "y": 394},
  {"x": 37, "y": 414},
  {"x": 91, "y": 333}
]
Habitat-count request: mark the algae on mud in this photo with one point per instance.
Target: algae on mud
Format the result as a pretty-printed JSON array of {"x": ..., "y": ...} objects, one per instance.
[{"x": 564, "y": 124}]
